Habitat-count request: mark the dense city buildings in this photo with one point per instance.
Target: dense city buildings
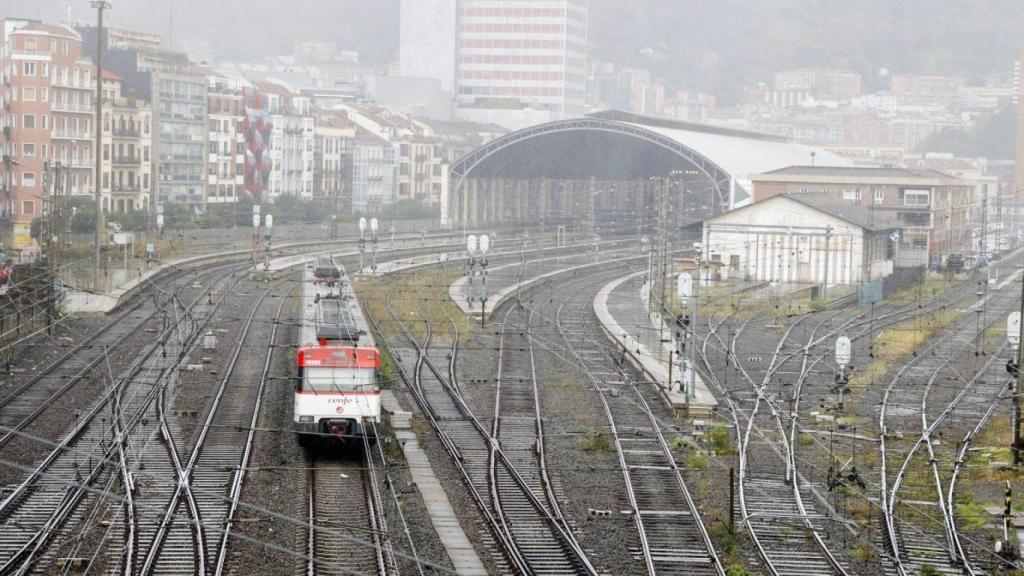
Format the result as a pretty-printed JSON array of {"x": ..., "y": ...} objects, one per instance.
[
  {"x": 176, "y": 90},
  {"x": 46, "y": 115},
  {"x": 820, "y": 83}
]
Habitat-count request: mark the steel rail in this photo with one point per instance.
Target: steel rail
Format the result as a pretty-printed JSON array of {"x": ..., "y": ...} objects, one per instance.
[{"x": 695, "y": 515}]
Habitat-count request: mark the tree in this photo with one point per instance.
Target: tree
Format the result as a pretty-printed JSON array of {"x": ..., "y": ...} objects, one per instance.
[
  {"x": 992, "y": 136},
  {"x": 410, "y": 210}
]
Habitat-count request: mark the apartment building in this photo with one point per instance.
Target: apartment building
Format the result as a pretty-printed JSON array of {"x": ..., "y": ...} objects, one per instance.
[
  {"x": 46, "y": 116},
  {"x": 292, "y": 126},
  {"x": 127, "y": 148},
  {"x": 334, "y": 140},
  {"x": 225, "y": 178},
  {"x": 374, "y": 173}
]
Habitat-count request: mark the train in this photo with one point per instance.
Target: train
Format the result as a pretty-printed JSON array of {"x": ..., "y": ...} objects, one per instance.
[{"x": 337, "y": 390}]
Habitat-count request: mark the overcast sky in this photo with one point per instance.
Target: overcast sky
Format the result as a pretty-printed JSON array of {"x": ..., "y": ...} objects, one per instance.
[
  {"x": 717, "y": 45},
  {"x": 242, "y": 28}
]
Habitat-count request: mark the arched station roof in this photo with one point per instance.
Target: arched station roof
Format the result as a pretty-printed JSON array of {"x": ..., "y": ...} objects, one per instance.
[{"x": 616, "y": 145}]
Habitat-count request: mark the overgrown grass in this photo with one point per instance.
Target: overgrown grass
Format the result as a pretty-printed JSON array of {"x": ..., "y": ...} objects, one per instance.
[
  {"x": 927, "y": 290},
  {"x": 719, "y": 439},
  {"x": 597, "y": 442},
  {"x": 426, "y": 289},
  {"x": 697, "y": 460}
]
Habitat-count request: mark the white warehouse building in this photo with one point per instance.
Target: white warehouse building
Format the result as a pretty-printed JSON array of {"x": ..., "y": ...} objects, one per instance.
[{"x": 802, "y": 239}]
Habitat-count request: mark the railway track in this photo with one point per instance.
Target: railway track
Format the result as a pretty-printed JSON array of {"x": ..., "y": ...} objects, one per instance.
[
  {"x": 784, "y": 527},
  {"x": 672, "y": 536},
  {"x": 517, "y": 428},
  {"x": 540, "y": 546},
  {"x": 347, "y": 532},
  {"x": 61, "y": 487},
  {"x": 945, "y": 389},
  {"x": 37, "y": 396}
]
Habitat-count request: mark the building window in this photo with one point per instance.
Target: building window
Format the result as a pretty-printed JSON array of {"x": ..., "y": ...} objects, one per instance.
[
  {"x": 46, "y": 122},
  {"x": 28, "y": 122},
  {"x": 851, "y": 194},
  {"x": 46, "y": 69},
  {"x": 879, "y": 196},
  {"x": 31, "y": 45},
  {"x": 28, "y": 150},
  {"x": 29, "y": 69},
  {"x": 28, "y": 93},
  {"x": 913, "y": 197},
  {"x": 28, "y": 179},
  {"x": 44, "y": 94},
  {"x": 28, "y": 207}
]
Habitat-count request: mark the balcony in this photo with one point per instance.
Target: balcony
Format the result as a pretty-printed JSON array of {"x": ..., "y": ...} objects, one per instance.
[
  {"x": 83, "y": 163},
  {"x": 56, "y": 80},
  {"x": 126, "y": 160},
  {"x": 129, "y": 189},
  {"x": 72, "y": 107},
  {"x": 126, "y": 132},
  {"x": 70, "y": 135}
]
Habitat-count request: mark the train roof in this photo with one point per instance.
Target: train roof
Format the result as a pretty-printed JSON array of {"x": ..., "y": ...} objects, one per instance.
[{"x": 331, "y": 312}]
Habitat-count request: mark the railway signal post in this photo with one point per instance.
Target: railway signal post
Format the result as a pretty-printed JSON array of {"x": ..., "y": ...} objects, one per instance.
[
  {"x": 485, "y": 245},
  {"x": 471, "y": 244},
  {"x": 362, "y": 242},
  {"x": 373, "y": 251}
]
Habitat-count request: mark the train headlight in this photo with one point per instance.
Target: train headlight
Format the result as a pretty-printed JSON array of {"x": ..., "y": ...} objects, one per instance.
[{"x": 306, "y": 419}]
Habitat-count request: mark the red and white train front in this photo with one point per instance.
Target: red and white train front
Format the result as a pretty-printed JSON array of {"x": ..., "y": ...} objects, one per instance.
[{"x": 338, "y": 394}]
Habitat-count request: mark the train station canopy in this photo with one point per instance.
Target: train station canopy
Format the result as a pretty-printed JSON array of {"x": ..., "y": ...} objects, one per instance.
[{"x": 622, "y": 146}]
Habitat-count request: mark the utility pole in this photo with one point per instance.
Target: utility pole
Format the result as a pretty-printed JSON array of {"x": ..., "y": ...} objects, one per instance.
[
  {"x": 828, "y": 242},
  {"x": 100, "y": 6},
  {"x": 1016, "y": 387}
]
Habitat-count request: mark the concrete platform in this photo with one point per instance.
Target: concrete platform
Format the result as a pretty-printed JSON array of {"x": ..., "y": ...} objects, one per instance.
[
  {"x": 460, "y": 256},
  {"x": 504, "y": 281},
  {"x": 88, "y": 303},
  {"x": 446, "y": 524},
  {"x": 623, "y": 314}
]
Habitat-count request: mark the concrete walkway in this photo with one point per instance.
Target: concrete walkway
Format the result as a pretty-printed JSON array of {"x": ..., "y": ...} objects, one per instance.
[
  {"x": 622, "y": 311},
  {"x": 446, "y": 524}
]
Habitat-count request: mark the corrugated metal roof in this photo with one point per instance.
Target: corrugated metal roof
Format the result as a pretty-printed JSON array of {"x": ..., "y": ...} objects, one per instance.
[
  {"x": 866, "y": 218},
  {"x": 742, "y": 156}
]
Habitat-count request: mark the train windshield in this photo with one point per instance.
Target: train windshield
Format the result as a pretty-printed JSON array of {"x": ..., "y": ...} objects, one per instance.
[{"x": 338, "y": 379}]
